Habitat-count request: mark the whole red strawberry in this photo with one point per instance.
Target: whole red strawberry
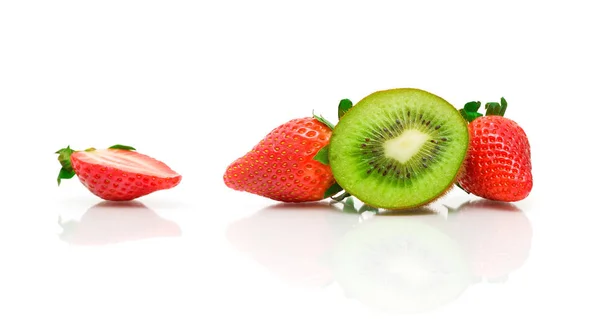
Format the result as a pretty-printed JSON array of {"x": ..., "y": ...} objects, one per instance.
[
  {"x": 288, "y": 165},
  {"x": 498, "y": 164},
  {"x": 118, "y": 173}
]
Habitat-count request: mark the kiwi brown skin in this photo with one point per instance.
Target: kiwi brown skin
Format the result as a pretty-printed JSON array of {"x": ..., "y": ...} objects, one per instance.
[
  {"x": 440, "y": 195},
  {"x": 426, "y": 201}
]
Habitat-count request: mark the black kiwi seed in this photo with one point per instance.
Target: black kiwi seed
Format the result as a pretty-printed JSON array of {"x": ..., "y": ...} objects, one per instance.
[{"x": 381, "y": 164}]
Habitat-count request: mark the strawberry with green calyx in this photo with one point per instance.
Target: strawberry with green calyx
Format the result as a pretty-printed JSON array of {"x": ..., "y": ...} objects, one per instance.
[
  {"x": 498, "y": 164},
  {"x": 290, "y": 164},
  {"x": 118, "y": 173}
]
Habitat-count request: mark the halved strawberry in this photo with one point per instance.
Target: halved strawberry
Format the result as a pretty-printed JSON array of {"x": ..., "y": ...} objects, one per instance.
[{"x": 118, "y": 173}]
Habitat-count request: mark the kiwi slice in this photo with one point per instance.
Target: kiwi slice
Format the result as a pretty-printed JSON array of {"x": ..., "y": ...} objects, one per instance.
[{"x": 398, "y": 148}]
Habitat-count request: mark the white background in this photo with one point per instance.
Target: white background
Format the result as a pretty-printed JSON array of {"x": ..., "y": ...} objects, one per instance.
[{"x": 197, "y": 83}]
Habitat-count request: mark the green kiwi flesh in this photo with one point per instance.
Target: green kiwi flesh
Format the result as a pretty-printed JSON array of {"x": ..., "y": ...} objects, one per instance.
[{"x": 398, "y": 148}]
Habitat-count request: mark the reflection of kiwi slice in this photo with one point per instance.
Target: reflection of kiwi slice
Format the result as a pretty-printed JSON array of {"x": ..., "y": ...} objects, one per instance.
[
  {"x": 400, "y": 264},
  {"x": 398, "y": 148}
]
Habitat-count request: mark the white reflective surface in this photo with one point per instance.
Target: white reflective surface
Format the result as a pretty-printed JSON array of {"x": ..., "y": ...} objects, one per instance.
[
  {"x": 115, "y": 222},
  {"x": 400, "y": 262},
  {"x": 196, "y": 84},
  {"x": 162, "y": 258}
]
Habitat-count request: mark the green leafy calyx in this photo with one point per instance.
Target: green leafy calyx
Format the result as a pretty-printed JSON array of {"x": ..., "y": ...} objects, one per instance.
[
  {"x": 469, "y": 112},
  {"x": 332, "y": 190},
  {"x": 64, "y": 157},
  {"x": 321, "y": 119},
  {"x": 495, "y": 108},
  {"x": 122, "y": 147},
  {"x": 322, "y": 155},
  {"x": 344, "y": 106}
]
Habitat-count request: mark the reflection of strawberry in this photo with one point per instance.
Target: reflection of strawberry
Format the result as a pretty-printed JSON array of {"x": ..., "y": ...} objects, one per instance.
[
  {"x": 112, "y": 222},
  {"x": 283, "y": 166},
  {"x": 293, "y": 241},
  {"x": 118, "y": 173},
  {"x": 496, "y": 236},
  {"x": 498, "y": 164}
]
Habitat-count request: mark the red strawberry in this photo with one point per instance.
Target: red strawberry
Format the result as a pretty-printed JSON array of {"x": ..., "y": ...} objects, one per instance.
[
  {"x": 284, "y": 166},
  {"x": 498, "y": 166},
  {"x": 118, "y": 173}
]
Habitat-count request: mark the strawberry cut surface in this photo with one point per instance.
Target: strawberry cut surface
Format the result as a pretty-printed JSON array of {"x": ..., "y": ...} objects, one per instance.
[{"x": 119, "y": 174}]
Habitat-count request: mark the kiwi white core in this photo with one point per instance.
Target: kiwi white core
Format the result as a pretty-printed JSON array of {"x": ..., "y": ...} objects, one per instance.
[{"x": 406, "y": 145}]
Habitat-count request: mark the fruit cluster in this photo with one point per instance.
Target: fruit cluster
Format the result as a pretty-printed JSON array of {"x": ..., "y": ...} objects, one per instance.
[{"x": 395, "y": 149}]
